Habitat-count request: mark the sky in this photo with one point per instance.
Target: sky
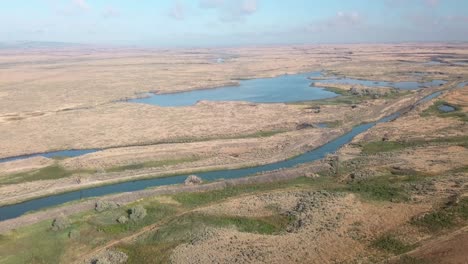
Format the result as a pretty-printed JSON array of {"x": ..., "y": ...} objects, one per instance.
[{"x": 192, "y": 23}]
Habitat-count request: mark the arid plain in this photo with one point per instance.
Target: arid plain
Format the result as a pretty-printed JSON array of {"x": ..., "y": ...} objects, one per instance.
[{"x": 335, "y": 210}]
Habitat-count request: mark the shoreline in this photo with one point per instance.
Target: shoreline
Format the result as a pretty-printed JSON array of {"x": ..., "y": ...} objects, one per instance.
[
  {"x": 149, "y": 176},
  {"x": 129, "y": 197}
]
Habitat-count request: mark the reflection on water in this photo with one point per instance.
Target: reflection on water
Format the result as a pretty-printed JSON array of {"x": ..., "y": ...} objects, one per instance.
[
  {"x": 281, "y": 89},
  {"x": 53, "y": 154},
  {"x": 398, "y": 85},
  {"x": 446, "y": 108},
  {"x": 12, "y": 211}
]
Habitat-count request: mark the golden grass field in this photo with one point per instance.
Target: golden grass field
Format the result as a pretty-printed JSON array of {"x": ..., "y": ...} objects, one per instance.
[{"x": 380, "y": 201}]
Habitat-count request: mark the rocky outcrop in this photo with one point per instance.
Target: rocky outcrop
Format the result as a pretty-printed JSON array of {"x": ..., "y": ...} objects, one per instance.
[{"x": 193, "y": 180}]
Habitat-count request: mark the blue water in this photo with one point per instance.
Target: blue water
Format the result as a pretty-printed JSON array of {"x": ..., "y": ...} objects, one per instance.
[
  {"x": 285, "y": 88},
  {"x": 463, "y": 84},
  {"x": 398, "y": 85},
  {"x": 433, "y": 62},
  {"x": 322, "y": 125},
  {"x": 446, "y": 108},
  {"x": 15, "y": 210},
  {"x": 12, "y": 211},
  {"x": 281, "y": 89},
  {"x": 62, "y": 153},
  {"x": 429, "y": 97}
]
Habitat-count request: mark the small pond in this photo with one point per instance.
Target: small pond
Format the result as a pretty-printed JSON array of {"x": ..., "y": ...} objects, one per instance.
[
  {"x": 53, "y": 154},
  {"x": 446, "y": 108},
  {"x": 15, "y": 210},
  {"x": 284, "y": 88}
]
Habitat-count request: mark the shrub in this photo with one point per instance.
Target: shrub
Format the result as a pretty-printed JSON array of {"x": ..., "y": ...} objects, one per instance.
[
  {"x": 105, "y": 205},
  {"x": 60, "y": 223},
  {"x": 123, "y": 219},
  {"x": 138, "y": 212},
  {"x": 391, "y": 244},
  {"x": 111, "y": 257},
  {"x": 435, "y": 221},
  {"x": 73, "y": 234}
]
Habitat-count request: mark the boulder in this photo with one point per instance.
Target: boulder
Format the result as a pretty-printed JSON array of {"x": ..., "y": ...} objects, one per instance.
[{"x": 193, "y": 180}]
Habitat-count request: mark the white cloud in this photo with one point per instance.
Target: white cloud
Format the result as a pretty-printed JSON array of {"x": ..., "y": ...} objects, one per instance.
[
  {"x": 341, "y": 21},
  {"x": 81, "y": 4},
  {"x": 249, "y": 6},
  {"x": 231, "y": 10},
  {"x": 110, "y": 12},
  {"x": 211, "y": 3},
  {"x": 177, "y": 11}
]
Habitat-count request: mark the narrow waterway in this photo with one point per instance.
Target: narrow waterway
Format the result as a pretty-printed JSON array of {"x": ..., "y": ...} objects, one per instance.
[
  {"x": 12, "y": 211},
  {"x": 280, "y": 89},
  {"x": 15, "y": 210},
  {"x": 53, "y": 154}
]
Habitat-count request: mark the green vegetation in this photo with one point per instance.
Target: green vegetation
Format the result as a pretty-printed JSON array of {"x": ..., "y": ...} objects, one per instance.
[
  {"x": 48, "y": 173},
  {"x": 333, "y": 124},
  {"x": 92, "y": 229},
  {"x": 107, "y": 222},
  {"x": 444, "y": 218},
  {"x": 337, "y": 90},
  {"x": 263, "y": 134},
  {"x": 257, "y": 134},
  {"x": 186, "y": 228},
  {"x": 391, "y": 244},
  {"x": 198, "y": 199},
  {"x": 347, "y": 98},
  {"x": 137, "y": 213},
  {"x": 38, "y": 243},
  {"x": 387, "y": 146},
  {"x": 384, "y": 188},
  {"x": 152, "y": 164},
  {"x": 339, "y": 100},
  {"x": 434, "y": 110},
  {"x": 383, "y": 146}
]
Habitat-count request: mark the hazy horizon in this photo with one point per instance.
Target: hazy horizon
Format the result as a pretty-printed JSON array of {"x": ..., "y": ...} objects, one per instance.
[{"x": 208, "y": 23}]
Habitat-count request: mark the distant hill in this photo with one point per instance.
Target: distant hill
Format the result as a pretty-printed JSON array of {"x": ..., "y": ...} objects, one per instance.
[{"x": 37, "y": 45}]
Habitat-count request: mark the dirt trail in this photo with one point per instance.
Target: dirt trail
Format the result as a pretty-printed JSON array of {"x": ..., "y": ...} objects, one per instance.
[
  {"x": 152, "y": 228},
  {"x": 449, "y": 248},
  {"x": 130, "y": 238}
]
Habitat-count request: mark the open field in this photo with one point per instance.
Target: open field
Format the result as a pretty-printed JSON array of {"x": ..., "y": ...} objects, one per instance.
[{"x": 335, "y": 210}]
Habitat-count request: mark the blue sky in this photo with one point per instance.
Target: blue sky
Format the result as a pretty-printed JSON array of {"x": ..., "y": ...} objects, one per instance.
[{"x": 182, "y": 23}]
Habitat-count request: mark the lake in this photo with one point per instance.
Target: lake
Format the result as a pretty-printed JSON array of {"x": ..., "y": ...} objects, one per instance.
[{"x": 281, "y": 89}]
